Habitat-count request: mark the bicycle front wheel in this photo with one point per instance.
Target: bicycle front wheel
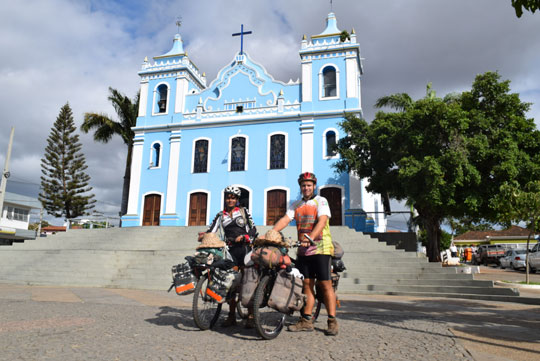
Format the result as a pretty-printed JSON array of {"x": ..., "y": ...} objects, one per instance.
[
  {"x": 268, "y": 322},
  {"x": 205, "y": 309}
]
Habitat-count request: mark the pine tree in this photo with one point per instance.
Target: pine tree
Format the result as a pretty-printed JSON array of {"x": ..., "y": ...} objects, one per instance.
[{"x": 64, "y": 183}]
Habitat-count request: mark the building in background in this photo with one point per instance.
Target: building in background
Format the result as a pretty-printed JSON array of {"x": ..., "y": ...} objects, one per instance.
[
  {"x": 15, "y": 218},
  {"x": 247, "y": 129}
]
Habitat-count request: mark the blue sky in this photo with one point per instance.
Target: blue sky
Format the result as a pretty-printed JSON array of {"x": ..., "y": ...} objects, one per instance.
[{"x": 59, "y": 51}]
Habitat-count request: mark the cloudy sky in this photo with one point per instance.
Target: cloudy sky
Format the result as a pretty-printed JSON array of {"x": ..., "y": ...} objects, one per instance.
[{"x": 58, "y": 51}]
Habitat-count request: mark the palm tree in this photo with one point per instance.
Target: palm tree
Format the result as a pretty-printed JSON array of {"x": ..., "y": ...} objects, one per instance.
[{"x": 105, "y": 128}]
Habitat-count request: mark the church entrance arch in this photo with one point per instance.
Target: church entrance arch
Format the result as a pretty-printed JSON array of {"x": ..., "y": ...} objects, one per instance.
[
  {"x": 333, "y": 196},
  {"x": 276, "y": 205},
  {"x": 197, "y": 209},
  {"x": 151, "y": 210}
]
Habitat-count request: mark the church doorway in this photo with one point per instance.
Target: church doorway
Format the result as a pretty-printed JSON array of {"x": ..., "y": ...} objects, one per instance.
[
  {"x": 276, "y": 206},
  {"x": 152, "y": 207},
  {"x": 197, "y": 209},
  {"x": 333, "y": 195}
]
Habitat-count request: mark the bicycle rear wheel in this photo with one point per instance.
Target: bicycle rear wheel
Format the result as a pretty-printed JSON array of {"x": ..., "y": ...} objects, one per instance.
[
  {"x": 268, "y": 322},
  {"x": 205, "y": 309}
]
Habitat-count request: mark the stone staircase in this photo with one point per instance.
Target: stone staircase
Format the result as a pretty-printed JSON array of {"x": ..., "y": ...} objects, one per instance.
[{"x": 141, "y": 258}]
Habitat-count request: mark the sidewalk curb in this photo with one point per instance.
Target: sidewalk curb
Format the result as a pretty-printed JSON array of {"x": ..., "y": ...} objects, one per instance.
[{"x": 516, "y": 285}]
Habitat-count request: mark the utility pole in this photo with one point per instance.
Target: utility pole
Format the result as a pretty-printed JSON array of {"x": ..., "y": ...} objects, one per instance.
[{"x": 5, "y": 173}]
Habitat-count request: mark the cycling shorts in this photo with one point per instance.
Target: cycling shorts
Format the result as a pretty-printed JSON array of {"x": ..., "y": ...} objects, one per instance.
[
  {"x": 315, "y": 267},
  {"x": 238, "y": 253}
]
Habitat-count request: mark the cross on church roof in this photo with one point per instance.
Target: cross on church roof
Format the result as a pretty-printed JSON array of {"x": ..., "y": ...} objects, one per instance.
[{"x": 241, "y": 34}]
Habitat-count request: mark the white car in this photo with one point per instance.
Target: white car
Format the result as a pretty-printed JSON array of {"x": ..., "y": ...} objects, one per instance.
[
  {"x": 534, "y": 258},
  {"x": 513, "y": 258}
]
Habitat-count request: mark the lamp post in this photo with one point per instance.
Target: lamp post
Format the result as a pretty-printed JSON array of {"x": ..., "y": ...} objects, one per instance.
[{"x": 5, "y": 173}]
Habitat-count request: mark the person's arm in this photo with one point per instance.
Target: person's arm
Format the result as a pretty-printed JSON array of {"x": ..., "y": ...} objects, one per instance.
[
  {"x": 282, "y": 223},
  {"x": 315, "y": 232}
]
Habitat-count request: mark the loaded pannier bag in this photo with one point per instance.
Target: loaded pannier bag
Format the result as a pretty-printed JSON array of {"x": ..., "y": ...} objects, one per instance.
[
  {"x": 270, "y": 257},
  {"x": 221, "y": 282},
  {"x": 287, "y": 293},
  {"x": 183, "y": 278},
  {"x": 250, "y": 280}
]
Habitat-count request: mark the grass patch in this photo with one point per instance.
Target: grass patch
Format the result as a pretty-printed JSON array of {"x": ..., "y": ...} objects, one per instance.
[{"x": 523, "y": 283}]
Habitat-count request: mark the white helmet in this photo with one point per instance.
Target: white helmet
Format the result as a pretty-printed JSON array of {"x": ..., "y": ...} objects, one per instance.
[{"x": 233, "y": 190}]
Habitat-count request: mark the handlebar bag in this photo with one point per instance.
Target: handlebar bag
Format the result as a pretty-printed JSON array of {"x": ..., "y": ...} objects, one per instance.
[{"x": 287, "y": 293}]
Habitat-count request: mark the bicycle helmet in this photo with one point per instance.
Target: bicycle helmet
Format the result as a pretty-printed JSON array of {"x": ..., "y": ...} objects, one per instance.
[
  {"x": 307, "y": 176},
  {"x": 232, "y": 190}
]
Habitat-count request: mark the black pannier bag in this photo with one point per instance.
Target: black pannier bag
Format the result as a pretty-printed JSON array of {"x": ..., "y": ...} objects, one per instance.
[
  {"x": 221, "y": 282},
  {"x": 183, "y": 278}
]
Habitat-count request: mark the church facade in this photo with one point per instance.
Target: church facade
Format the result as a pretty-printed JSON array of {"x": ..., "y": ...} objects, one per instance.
[{"x": 247, "y": 129}]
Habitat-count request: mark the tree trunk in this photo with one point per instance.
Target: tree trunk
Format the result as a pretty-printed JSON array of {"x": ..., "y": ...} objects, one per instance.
[
  {"x": 127, "y": 180},
  {"x": 433, "y": 230},
  {"x": 527, "y": 257}
]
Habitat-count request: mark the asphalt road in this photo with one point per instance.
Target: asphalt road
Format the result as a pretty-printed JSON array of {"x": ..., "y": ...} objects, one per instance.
[{"x": 65, "y": 323}]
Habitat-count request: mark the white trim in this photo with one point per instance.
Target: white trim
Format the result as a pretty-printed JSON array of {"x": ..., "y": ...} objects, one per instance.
[
  {"x": 342, "y": 198},
  {"x": 208, "y": 198},
  {"x": 307, "y": 82},
  {"x": 135, "y": 179},
  {"x": 151, "y": 164},
  {"x": 230, "y": 152},
  {"x": 306, "y": 131},
  {"x": 143, "y": 100},
  {"x": 324, "y": 143},
  {"x": 352, "y": 77},
  {"x": 268, "y": 144},
  {"x": 321, "y": 82},
  {"x": 193, "y": 154},
  {"x": 273, "y": 188},
  {"x": 172, "y": 177},
  {"x": 181, "y": 91},
  {"x": 154, "y": 101},
  {"x": 162, "y": 199}
]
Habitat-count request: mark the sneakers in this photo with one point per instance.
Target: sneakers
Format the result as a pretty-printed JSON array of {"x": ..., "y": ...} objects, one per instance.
[
  {"x": 230, "y": 321},
  {"x": 332, "y": 327},
  {"x": 302, "y": 325}
]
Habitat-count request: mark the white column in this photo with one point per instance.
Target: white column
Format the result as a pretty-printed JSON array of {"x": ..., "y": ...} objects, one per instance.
[
  {"x": 136, "y": 167},
  {"x": 143, "y": 101},
  {"x": 306, "y": 129},
  {"x": 172, "y": 179},
  {"x": 181, "y": 91},
  {"x": 352, "y": 77},
  {"x": 307, "y": 81},
  {"x": 355, "y": 192}
]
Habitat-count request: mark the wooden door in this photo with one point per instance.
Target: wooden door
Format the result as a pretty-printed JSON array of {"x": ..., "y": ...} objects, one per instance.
[
  {"x": 197, "y": 209},
  {"x": 152, "y": 207},
  {"x": 333, "y": 196},
  {"x": 276, "y": 206}
]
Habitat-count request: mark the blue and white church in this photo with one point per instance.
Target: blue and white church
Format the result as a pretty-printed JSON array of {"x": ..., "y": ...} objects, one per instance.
[{"x": 192, "y": 139}]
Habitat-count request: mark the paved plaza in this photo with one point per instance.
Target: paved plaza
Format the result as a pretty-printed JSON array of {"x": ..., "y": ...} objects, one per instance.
[{"x": 65, "y": 323}]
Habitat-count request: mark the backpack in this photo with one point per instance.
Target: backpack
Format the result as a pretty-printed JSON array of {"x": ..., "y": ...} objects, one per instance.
[
  {"x": 250, "y": 280},
  {"x": 287, "y": 293}
]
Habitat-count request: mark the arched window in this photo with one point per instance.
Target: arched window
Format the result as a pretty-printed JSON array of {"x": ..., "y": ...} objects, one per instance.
[
  {"x": 162, "y": 98},
  {"x": 238, "y": 154},
  {"x": 329, "y": 81},
  {"x": 277, "y": 151},
  {"x": 155, "y": 156},
  {"x": 200, "y": 161},
  {"x": 330, "y": 143}
]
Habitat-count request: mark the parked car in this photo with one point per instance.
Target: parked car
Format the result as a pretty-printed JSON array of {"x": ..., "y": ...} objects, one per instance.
[
  {"x": 491, "y": 253},
  {"x": 534, "y": 258},
  {"x": 513, "y": 258}
]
